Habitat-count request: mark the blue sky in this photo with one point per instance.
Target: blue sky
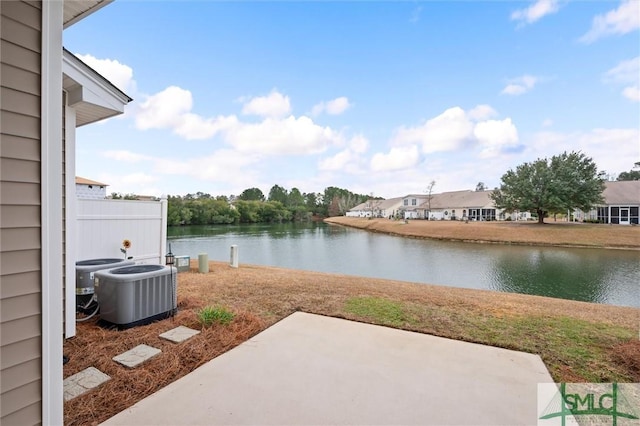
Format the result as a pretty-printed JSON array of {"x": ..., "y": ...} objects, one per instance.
[{"x": 375, "y": 97}]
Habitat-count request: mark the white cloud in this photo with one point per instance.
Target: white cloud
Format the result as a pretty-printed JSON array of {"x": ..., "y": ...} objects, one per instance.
[
  {"x": 164, "y": 109},
  {"x": 359, "y": 144},
  {"x": 287, "y": 136},
  {"x": 520, "y": 85},
  {"x": 628, "y": 74},
  {"x": 398, "y": 158},
  {"x": 547, "y": 122},
  {"x": 623, "y": 20},
  {"x": 138, "y": 179},
  {"x": 446, "y": 132},
  {"x": 625, "y": 71},
  {"x": 334, "y": 107},
  {"x": 337, "y": 106},
  {"x": 632, "y": 93},
  {"x": 481, "y": 112},
  {"x": 120, "y": 75},
  {"x": 348, "y": 160},
  {"x": 496, "y": 136},
  {"x": 193, "y": 126},
  {"x": 454, "y": 130},
  {"x": 171, "y": 109},
  {"x": 125, "y": 156},
  {"x": 535, "y": 12},
  {"x": 223, "y": 165},
  {"x": 596, "y": 143},
  {"x": 273, "y": 105},
  {"x": 139, "y": 183},
  {"x": 340, "y": 161}
]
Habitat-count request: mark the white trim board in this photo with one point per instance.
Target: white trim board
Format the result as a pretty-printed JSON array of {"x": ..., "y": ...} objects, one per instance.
[
  {"x": 51, "y": 211},
  {"x": 71, "y": 255}
]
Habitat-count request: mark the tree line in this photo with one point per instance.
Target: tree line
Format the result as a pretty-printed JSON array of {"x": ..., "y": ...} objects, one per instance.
[
  {"x": 546, "y": 186},
  {"x": 252, "y": 206}
]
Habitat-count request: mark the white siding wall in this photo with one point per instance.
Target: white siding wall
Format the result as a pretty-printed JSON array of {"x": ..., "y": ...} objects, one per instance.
[
  {"x": 92, "y": 192},
  {"x": 104, "y": 224}
]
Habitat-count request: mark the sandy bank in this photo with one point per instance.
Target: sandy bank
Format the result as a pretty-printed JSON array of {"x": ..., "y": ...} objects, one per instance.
[{"x": 526, "y": 233}]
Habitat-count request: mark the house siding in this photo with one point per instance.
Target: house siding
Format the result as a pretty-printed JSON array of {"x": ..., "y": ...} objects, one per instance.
[{"x": 20, "y": 207}]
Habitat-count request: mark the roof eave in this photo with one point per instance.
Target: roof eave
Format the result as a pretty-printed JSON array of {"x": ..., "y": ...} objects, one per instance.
[
  {"x": 92, "y": 95},
  {"x": 76, "y": 10}
]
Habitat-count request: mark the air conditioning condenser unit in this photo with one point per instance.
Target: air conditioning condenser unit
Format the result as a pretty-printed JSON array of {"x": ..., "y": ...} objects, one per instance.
[{"x": 136, "y": 295}]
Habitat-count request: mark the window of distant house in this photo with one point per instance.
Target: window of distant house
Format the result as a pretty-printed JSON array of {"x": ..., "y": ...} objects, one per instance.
[
  {"x": 406, "y": 202},
  {"x": 90, "y": 186},
  {"x": 413, "y": 202}
]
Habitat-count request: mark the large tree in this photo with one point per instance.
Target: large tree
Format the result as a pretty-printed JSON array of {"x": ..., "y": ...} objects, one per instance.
[
  {"x": 566, "y": 182},
  {"x": 251, "y": 194},
  {"x": 278, "y": 193},
  {"x": 296, "y": 198}
]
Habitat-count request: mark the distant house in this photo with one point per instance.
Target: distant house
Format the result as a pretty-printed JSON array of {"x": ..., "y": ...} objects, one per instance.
[
  {"x": 474, "y": 205},
  {"x": 456, "y": 205},
  {"x": 90, "y": 189},
  {"x": 621, "y": 204},
  {"x": 376, "y": 208},
  {"x": 413, "y": 206}
]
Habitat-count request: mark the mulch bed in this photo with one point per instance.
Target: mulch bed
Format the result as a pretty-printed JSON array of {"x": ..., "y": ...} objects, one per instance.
[{"x": 95, "y": 346}]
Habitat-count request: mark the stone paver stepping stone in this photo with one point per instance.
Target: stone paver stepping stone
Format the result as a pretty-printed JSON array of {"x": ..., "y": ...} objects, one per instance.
[
  {"x": 136, "y": 356},
  {"x": 82, "y": 382},
  {"x": 179, "y": 334}
]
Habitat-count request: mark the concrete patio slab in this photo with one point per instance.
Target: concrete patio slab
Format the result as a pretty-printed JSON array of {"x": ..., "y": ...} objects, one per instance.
[
  {"x": 136, "y": 356},
  {"x": 310, "y": 369},
  {"x": 82, "y": 382},
  {"x": 179, "y": 334}
]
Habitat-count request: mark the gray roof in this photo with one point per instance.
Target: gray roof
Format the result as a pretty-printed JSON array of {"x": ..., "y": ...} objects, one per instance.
[
  {"x": 389, "y": 203},
  {"x": 460, "y": 199},
  {"x": 378, "y": 204},
  {"x": 622, "y": 192}
]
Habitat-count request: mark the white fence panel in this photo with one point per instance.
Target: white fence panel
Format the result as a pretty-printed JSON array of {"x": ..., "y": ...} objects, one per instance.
[{"x": 102, "y": 226}]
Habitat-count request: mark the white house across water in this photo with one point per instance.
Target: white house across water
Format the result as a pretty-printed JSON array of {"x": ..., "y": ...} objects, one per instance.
[
  {"x": 456, "y": 205},
  {"x": 621, "y": 204}
]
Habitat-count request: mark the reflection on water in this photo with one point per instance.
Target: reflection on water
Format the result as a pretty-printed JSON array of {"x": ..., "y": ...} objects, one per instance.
[{"x": 592, "y": 275}]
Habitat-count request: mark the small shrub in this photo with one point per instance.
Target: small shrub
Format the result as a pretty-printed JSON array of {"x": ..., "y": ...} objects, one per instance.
[{"x": 215, "y": 314}]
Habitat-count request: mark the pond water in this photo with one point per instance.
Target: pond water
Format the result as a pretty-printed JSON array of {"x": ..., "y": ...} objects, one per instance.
[{"x": 590, "y": 275}]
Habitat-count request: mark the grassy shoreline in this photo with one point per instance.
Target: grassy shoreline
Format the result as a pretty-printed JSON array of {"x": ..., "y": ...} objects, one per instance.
[
  {"x": 560, "y": 234},
  {"x": 577, "y": 341}
]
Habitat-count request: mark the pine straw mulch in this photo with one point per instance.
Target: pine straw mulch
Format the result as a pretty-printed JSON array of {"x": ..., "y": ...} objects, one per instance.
[
  {"x": 95, "y": 346},
  {"x": 628, "y": 354},
  {"x": 260, "y": 296}
]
